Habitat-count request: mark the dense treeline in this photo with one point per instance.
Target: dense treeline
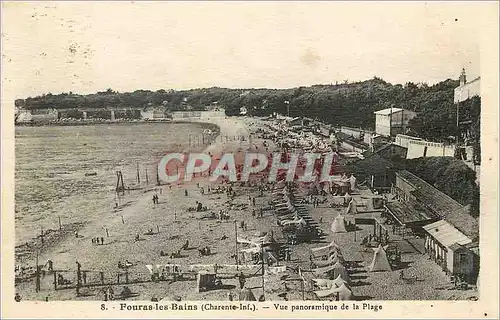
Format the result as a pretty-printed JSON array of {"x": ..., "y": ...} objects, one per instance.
[{"x": 348, "y": 104}]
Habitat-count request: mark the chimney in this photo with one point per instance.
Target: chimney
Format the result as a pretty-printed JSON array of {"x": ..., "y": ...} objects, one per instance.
[{"x": 463, "y": 77}]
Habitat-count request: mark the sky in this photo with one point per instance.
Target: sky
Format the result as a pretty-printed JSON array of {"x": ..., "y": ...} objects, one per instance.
[{"x": 89, "y": 47}]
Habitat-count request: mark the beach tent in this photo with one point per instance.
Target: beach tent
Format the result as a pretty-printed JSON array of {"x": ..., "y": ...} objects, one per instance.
[
  {"x": 337, "y": 255},
  {"x": 352, "y": 181},
  {"x": 324, "y": 263},
  {"x": 351, "y": 207},
  {"x": 325, "y": 249},
  {"x": 380, "y": 261},
  {"x": 246, "y": 295},
  {"x": 339, "y": 269},
  {"x": 347, "y": 197},
  {"x": 297, "y": 221},
  {"x": 338, "y": 224},
  {"x": 333, "y": 271},
  {"x": 341, "y": 293}
]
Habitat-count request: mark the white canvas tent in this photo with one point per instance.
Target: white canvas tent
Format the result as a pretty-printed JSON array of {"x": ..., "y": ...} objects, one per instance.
[
  {"x": 380, "y": 261},
  {"x": 325, "y": 249},
  {"x": 342, "y": 293},
  {"x": 352, "y": 207},
  {"x": 333, "y": 271},
  {"x": 338, "y": 224},
  {"x": 352, "y": 181}
]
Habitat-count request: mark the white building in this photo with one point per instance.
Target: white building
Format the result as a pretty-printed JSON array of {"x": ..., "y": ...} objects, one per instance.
[
  {"x": 392, "y": 121},
  {"x": 466, "y": 89}
]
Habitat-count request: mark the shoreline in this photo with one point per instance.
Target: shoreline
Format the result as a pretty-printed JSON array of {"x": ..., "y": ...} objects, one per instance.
[{"x": 53, "y": 236}]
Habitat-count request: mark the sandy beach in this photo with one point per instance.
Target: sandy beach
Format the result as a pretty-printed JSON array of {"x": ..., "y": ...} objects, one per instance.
[{"x": 166, "y": 226}]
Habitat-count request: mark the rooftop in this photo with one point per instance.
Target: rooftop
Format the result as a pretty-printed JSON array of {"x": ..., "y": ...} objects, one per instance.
[
  {"x": 442, "y": 205},
  {"x": 438, "y": 201},
  {"x": 410, "y": 212},
  {"x": 446, "y": 233},
  {"x": 388, "y": 111}
]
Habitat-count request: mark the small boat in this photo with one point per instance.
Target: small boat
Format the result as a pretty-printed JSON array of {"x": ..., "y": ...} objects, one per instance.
[{"x": 88, "y": 174}]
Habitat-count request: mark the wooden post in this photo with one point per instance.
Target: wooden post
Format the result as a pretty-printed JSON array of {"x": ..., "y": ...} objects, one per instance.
[
  {"x": 126, "y": 275},
  {"x": 107, "y": 232},
  {"x": 78, "y": 278},
  {"x": 158, "y": 228},
  {"x": 263, "y": 272},
  {"x": 55, "y": 280},
  {"x": 138, "y": 174},
  {"x": 60, "y": 224},
  {"x": 37, "y": 274},
  {"x": 147, "y": 178},
  {"x": 102, "y": 277},
  {"x": 236, "y": 244},
  {"x": 355, "y": 230},
  {"x": 303, "y": 290},
  {"x": 123, "y": 221}
]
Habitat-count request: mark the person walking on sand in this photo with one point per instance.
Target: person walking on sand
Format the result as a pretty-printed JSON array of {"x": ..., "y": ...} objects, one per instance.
[
  {"x": 97, "y": 240},
  {"x": 102, "y": 240},
  {"x": 154, "y": 199},
  {"x": 50, "y": 265},
  {"x": 185, "y": 192}
]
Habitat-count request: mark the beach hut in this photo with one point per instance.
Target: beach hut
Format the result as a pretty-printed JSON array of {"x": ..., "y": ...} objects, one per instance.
[
  {"x": 338, "y": 224},
  {"x": 380, "y": 261},
  {"x": 247, "y": 295}
]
